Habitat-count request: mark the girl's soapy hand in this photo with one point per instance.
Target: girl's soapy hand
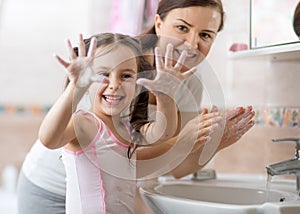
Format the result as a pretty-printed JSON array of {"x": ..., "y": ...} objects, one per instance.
[
  {"x": 168, "y": 78},
  {"x": 79, "y": 69}
]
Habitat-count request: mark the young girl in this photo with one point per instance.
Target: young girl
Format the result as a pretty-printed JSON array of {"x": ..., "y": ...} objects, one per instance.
[{"x": 99, "y": 144}]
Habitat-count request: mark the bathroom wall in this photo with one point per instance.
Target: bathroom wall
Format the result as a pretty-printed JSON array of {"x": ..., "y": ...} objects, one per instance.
[
  {"x": 31, "y": 80},
  {"x": 271, "y": 86}
]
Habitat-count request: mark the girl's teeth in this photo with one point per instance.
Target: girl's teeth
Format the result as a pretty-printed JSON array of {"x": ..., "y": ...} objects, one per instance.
[{"x": 112, "y": 98}]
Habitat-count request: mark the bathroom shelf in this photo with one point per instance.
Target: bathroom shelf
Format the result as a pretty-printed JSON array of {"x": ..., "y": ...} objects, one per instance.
[{"x": 274, "y": 53}]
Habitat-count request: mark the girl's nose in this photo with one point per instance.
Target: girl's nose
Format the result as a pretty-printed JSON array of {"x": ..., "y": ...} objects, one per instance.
[{"x": 114, "y": 83}]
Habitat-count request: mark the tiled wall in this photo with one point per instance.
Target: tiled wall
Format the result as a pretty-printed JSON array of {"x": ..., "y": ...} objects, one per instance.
[{"x": 271, "y": 86}]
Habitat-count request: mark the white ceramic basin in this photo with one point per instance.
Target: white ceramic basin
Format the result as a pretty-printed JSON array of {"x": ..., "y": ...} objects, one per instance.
[{"x": 217, "y": 197}]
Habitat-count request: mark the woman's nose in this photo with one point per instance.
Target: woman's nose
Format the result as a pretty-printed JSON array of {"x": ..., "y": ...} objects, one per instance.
[{"x": 192, "y": 40}]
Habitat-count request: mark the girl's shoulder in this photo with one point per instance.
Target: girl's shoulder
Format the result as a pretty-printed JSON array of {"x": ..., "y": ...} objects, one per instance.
[{"x": 86, "y": 120}]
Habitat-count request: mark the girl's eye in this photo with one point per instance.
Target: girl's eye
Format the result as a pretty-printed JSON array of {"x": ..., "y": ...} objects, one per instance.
[
  {"x": 127, "y": 76},
  {"x": 105, "y": 74},
  {"x": 182, "y": 28}
]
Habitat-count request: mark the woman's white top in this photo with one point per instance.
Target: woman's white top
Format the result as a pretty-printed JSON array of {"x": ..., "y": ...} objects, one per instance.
[{"x": 44, "y": 168}]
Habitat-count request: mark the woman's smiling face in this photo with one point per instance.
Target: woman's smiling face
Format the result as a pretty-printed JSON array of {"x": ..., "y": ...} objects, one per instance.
[
  {"x": 192, "y": 28},
  {"x": 116, "y": 92}
]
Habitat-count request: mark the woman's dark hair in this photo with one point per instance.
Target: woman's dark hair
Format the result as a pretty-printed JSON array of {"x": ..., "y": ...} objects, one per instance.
[
  {"x": 165, "y": 6},
  {"x": 296, "y": 20},
  {"x": 139, "y": 106}
]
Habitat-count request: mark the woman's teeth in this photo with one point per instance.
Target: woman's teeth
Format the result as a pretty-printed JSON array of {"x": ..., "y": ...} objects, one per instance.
[{"x": 189, "y": 55}]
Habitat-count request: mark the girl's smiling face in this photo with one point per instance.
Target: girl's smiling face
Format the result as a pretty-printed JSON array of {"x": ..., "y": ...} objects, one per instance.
[
  {"x": 115, "y": 93},
  {"x": 192, "y": 28}
]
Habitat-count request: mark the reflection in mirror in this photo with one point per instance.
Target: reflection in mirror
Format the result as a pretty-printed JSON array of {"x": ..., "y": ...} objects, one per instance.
[
  {"x": 271, "y": 22},
  {"x": 296, "y": 20}
]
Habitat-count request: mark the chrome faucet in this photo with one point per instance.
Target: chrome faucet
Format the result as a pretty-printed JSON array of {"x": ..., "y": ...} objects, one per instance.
[
  {"x": 204, "y": 174},
  {"x": 291, "y": 166}
]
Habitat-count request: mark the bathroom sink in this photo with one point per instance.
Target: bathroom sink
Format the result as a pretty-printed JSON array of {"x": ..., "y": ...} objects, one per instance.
[{"x": 217, "y": 196}]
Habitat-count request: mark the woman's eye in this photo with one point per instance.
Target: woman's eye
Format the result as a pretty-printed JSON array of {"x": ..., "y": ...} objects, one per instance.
[
  {"x": 205, "y": 36},
  {"x": 182, "y": 28}
]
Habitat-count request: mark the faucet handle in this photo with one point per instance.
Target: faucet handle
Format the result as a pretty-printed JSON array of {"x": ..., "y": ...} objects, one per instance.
[{"x": 296, "y": 140}]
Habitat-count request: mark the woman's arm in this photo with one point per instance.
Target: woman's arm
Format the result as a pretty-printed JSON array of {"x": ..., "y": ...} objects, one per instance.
[
  {"x": 195, "y": 133},
  {"x": 238, "y": 122},
  {"x": 238, "y": 119}
]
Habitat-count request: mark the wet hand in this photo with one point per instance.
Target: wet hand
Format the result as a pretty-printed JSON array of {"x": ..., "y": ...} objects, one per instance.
[
  {"x": 200, "y": 129},
  {"x": 168, "y": 78},
  {"x": 238, "y": 122},
  {"x": 79, "y": 68}
]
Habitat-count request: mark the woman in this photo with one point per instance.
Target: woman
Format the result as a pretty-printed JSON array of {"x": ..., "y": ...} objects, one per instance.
[
  {"x": 195, "y": 24},
  {"x": 177, "y": 22}
]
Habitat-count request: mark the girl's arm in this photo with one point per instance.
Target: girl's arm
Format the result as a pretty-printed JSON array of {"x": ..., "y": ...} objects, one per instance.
[
  {"x": 168, "y": 81},
  {"x": 57, "y": 128}
]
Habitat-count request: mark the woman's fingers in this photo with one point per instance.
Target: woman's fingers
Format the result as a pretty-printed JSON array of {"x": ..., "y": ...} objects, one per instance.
[{"x": 234, "y": 113}]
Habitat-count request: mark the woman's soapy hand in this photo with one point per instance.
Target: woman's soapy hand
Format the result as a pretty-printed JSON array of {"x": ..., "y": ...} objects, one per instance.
[
  {"x": 199, "y": 130},
  {"x": 168, "y": 78},
  {"x": 79, "y": 69},
  {"x": 238, "y": 122}
]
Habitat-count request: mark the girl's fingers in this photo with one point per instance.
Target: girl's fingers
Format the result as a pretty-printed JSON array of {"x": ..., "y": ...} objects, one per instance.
[
  {"x": 81, "y": 46},
  {"x": 61, "y": 61},
  {"x": 189, "y": 72},
  {"x": 180, "y": 61},
  {"x": 92, "y": 47},
  {"x": 158, "y": 58},
  {"x": 71, "y": 50},
  {"x": 169, "y": 56}
]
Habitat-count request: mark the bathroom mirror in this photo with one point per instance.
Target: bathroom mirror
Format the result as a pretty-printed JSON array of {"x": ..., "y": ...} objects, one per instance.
[{"x": 271, "y": 23}]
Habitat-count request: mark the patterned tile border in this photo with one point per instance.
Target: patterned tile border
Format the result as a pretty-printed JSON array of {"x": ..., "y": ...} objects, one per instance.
[
  {"x": 278, "y": 116},
  {"x": 27, "y": 110}
]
